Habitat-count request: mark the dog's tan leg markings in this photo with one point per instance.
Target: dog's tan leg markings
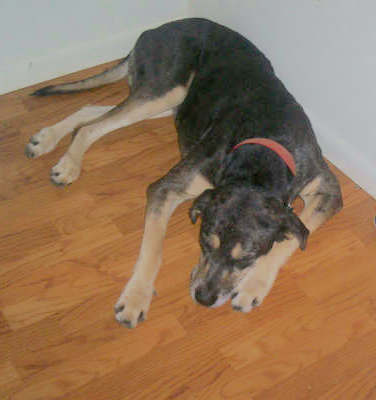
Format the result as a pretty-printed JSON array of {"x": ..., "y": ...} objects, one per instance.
[
  {"x": 320, "y": 203},
  {"x": 134, "y": 301},
  {"x": 47, "y": 138},
  {"x": 164, "y": 114},
  {"x": 129, "y": 112}
]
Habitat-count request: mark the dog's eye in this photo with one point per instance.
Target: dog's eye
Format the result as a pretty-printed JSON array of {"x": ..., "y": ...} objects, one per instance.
[{"x": 246, "y": 258}]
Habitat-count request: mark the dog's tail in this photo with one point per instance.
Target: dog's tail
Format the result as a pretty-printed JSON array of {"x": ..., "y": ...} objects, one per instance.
[{"x": 114, "y": 74}]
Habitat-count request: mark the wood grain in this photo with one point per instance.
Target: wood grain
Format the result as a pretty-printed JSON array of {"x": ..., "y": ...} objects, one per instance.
[{"x": 67, "y": 253}]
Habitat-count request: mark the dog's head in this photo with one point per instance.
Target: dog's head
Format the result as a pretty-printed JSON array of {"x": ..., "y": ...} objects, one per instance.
[{"x": 238, "y": 226}]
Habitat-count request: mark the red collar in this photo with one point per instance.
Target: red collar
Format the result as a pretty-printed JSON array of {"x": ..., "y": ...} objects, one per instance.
[{"x": 276, "y": 147}]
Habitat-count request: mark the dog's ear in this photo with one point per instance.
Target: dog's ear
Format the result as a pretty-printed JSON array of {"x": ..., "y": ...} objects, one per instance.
[
  {"x": 297, "y": 228},
  {"x": 200, "y": 204},
  {"x": 290, "y": 223}
]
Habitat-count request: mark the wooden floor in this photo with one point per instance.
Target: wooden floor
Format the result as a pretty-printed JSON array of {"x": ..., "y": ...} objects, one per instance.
[{"x": 67, "y": 252}]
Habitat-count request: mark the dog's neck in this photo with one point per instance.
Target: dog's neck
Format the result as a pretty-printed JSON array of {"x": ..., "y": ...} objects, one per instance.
[{"x": 257, "y": 166}]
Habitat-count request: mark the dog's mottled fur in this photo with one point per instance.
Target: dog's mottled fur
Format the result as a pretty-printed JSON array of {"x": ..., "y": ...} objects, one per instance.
[{"x": 221, "y": 90}]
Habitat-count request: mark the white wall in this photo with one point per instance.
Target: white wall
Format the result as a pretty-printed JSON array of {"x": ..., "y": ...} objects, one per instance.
[
  {"x": 325, "y": 53},
  {"x": 43, "y": 39}
]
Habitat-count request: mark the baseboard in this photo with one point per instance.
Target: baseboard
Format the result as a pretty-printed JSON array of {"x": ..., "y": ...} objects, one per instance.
[
  {"x": 344, "y": 156},
  {"x": 83, "y": 55}
]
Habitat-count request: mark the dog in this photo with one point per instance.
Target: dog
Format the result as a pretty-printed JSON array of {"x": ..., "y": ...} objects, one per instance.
[{"x": 247, "y": 151}]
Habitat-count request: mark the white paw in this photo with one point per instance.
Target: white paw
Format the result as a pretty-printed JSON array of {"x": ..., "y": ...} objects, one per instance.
[
  {"x": 41, "y": 143},
  {"x": 250, "y": 294},
  {"x": 65, "y": 171},
  {"x": 133, "y": 304}
]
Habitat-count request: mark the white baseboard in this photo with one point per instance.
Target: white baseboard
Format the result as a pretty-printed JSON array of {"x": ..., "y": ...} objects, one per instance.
[
  {"x": 83, "y": 55},
  {"x": 344, "y": 156}
]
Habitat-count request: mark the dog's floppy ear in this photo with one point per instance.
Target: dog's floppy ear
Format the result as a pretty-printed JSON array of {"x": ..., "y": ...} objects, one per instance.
[
  {"x": 297, "y": 228},
  {"x": 199, "y": 205}
]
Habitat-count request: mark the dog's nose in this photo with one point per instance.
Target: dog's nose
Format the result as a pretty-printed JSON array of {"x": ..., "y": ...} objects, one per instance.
[{"x": 205, "y": 296}]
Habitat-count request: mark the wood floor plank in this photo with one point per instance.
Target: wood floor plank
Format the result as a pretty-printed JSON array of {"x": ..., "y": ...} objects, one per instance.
[
  {"x": 103, "y": 358},
  {"x": 9, "y": 379},
  {"x": 297, "y": 347},
  {"x": 330, "y": 373},
  {"x": 362, "y": 385},
  {"x": 26, "y": 240},
  {"x": 66, "y": 253}
]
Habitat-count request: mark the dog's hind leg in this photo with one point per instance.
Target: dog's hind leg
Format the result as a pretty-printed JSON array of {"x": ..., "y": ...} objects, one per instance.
[
  {"x": 47, "y": 138},
  {"x": 322, "y": 199},
  {"x": 134, "y": 109}
]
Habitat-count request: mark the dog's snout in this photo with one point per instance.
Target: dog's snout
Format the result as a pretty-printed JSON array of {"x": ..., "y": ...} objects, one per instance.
[{"x": 205, "y": 296}]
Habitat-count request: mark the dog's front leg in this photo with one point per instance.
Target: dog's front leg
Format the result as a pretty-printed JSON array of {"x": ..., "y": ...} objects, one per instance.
[
  {"x": 163, "y": 197},
  {"x": 260, "y": 278}
]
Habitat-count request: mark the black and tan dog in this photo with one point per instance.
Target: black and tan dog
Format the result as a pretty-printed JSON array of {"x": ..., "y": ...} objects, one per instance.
[{"x": 248, "y": 150}]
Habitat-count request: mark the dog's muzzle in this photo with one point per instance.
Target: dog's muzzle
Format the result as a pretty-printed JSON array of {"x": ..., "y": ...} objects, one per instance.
[
  {"x": 203, "y": 293},
  {"x": 205, "y": 296}
]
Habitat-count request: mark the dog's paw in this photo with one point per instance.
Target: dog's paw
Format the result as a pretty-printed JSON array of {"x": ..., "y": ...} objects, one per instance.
[
  {"x": 65, "y": 171},
  {"x": 41, "y": 143},
  {"x": 249, "y": 295},
  {"x": 133, "y": 304}
]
